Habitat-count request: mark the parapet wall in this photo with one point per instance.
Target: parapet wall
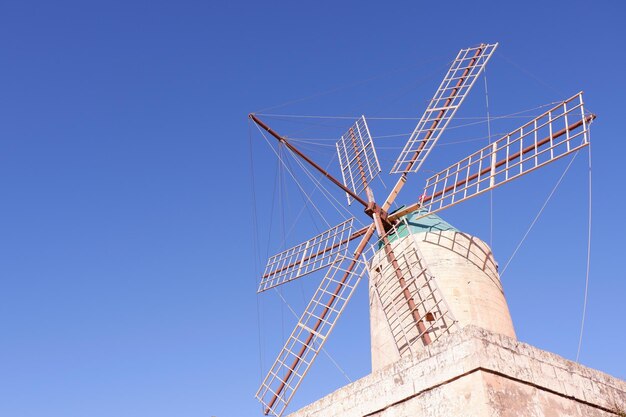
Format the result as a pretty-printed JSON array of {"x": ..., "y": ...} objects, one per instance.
[{"x": 474, "y": 372}]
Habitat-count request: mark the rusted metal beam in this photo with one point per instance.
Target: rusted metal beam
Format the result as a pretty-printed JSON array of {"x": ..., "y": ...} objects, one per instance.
[{"x": 306, "y": 158}]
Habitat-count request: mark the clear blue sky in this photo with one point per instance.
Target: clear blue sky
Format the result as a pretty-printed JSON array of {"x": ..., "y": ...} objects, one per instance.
[{"x": 127, "y": 273}]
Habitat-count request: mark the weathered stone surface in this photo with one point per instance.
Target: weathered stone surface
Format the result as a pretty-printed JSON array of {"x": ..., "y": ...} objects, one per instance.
[
  {"x": 467, "y": 277},
  {"x": 474, "y": 372}
]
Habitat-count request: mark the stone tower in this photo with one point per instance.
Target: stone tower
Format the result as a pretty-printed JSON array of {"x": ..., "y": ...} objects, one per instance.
[
  {"x": 467, "y": 278},
  {"x": 476, "y": 368}
]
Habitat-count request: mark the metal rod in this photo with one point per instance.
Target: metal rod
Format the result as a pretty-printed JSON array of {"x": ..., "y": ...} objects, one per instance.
[
  {"x": 357, "y": 253},
  {"x": 307, "y": 159}
]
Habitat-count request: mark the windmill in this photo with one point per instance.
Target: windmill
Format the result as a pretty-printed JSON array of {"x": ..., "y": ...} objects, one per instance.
[{"x": 409, "y": 294}]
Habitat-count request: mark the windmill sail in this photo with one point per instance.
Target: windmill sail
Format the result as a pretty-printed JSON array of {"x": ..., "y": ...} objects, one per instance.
[
  {"x": 428, "y": 302},
  {"x": 560, "y": 131},
  {"x": 312, "y": 255},
  {"x": 310, "y": 333},
  {"x": 357, "y": 157},
  {"x": 459, "y": 80},
  {"x": 409, "y": 296}
]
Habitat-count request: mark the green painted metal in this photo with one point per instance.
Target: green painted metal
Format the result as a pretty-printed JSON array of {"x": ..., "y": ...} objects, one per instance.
[
  {"x": 409, "y": 225},
  {"x": 430, "y": 223}
]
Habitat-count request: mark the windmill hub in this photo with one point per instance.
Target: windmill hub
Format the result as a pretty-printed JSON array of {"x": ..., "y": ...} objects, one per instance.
[{"x": 372, "y": 208}]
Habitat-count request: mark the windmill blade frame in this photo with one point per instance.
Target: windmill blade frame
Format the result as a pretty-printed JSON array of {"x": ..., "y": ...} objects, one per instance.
[
  {"x": 312, "y": 330},
  {"x": 309, "y": 256},
  {"x": 456, "y": 84},
  {"x": 518, "y": 153},
  {"x": 357, "y": 157}
]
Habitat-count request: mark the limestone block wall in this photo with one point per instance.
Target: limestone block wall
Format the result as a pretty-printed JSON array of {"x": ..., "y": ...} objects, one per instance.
[{"x": 477, "y": 373}]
